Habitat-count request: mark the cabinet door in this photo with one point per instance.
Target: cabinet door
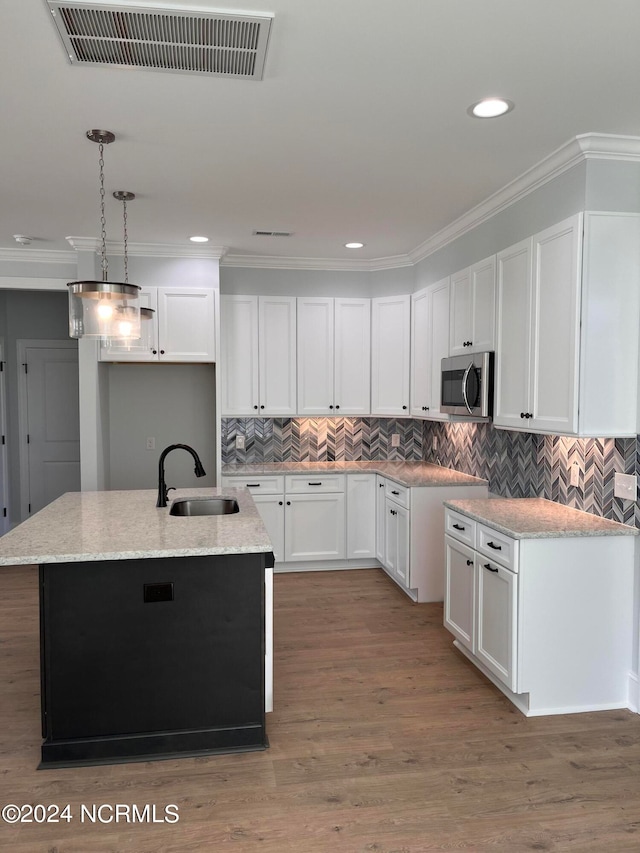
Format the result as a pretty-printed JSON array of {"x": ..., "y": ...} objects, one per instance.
[
  {"x": 186, "y": 324},
  {"x": 381, "y": 500},
  {"x": 146, "y": 349},
  {"x": 315, "y": 357},
  {"x": 496, "y": 626},
  {"x": 402, "y": 566},
  {"x": 361, "y": 516},
  {"x": 460, "y": 592},
  {"x": 556, "y": 327},
  {"x": 390, "y": 561},
  {"x": 421, "y": 345},
  {"x": 439, "y": 338},
  {"x": 277, "y": 355},
  {"x": 239, "y": 355},
  {"x": 314, "y": 527},
  {"x": 352, "y": 364},
  {"x": 511, "y": 392},
  {"x": 271, "y": 509},
  {"x": 483, "y": 305},
  {"x": 390, "y": 355},
  {"x": 460, "y": 313}
]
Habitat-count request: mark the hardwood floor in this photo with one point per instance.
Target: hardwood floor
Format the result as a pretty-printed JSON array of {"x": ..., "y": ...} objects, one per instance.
[{"x": 384, "y": 740}]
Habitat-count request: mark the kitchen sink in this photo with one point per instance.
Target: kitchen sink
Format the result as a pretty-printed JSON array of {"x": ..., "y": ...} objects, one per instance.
[{"x": 204, "y": 506}]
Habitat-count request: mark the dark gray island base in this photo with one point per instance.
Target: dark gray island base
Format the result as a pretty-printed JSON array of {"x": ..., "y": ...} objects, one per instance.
[{"x": 152, "y": 658}]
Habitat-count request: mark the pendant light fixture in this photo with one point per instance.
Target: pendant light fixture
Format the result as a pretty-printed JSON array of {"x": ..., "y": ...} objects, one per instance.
[
  {"x": 145, "y": 342},
  {"x": 104, "y": 309}
]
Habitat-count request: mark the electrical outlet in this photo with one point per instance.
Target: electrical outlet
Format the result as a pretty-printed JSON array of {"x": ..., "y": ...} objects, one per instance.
[
  {"x": 625, "y": 486},
  {"x": 239, "y": 442},
  {"x": 151, "y": 444},
  {"x": 395, "y": 439},
  {"x": 434, "y": 443},
  {"x": 574, "y": 473}
]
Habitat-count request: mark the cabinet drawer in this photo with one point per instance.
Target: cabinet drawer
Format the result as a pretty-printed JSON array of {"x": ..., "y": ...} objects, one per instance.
[
  {"x": 498, "y": 547},
  {"x": 460, "y": 527},
  {"x": 400, "y": 494},
  {"x": 257, "y": 485},
  {"x": 314, "y": 483}
]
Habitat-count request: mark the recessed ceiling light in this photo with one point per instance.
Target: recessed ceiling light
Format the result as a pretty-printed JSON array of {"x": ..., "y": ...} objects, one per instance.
[
  {"x": 490, "y": 108},
  {"x": 353, "y": 245},
  {"x": 199, "y": 239}
]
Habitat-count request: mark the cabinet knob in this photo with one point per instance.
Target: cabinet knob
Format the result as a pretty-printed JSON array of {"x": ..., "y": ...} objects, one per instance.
[
  {"x": 529, "y": 414},
  {"x": 154, "y": 351},
  {"x": 331, "y": 407},
  {"x": 262, "y": 407},
  {"x": 161, "y": 352},
  {"x": 381, "y": 485},
  {"x": 288, "y": 503},
  {"x": 469, "y": 562},
  {"x": 404, "y": 407},
  {"x": 522, "y": 415},
  {"x": 280, "y": 503},
  {"x": 337, "y": 407},
  {"x": 255, "y": 407}
]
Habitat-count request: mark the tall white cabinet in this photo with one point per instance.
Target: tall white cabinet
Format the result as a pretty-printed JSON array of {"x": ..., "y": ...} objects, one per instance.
[
  {"x": 334, "y": 356},
  {"x": 390, "y": 355},
  {"x": 258, "y": 355},
  {"x": 567, "y": 328},
  {"x": 429, "y": 345}
]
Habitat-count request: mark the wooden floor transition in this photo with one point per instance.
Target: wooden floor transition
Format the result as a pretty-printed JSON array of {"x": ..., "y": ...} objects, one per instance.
[{"x": 384, "y": 740}]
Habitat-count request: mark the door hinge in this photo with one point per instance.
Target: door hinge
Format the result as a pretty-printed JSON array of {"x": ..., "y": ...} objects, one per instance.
[{"x": 26, "y": 367}]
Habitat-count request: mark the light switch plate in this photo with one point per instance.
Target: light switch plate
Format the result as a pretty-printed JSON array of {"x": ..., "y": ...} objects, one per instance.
[
  {"x": 240, "y": 442},
  {"x": 625, "y": 486},
  {"x": 574, "y": 473},
  {"x": 395, "y": 439}
]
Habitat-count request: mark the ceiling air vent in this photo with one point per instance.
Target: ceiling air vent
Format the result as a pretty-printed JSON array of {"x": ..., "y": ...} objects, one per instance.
[
  {"x": 272, "y": 233},
  {"x": 219, "y": 44}
]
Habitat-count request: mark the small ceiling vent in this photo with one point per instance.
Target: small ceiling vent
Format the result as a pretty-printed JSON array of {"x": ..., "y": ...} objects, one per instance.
[
  {"x": 218, "y": 44},
  {"x": 272, "y": 233}
]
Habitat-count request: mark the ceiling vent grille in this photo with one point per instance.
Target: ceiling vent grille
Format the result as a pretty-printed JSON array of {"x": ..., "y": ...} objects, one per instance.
[
  {"x": 272, "y": 233},
  {"x": 214, "y": 43}
]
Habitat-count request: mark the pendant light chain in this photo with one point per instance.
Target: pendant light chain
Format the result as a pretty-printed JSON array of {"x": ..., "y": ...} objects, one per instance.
[
  {"x": 103, "y": 221},
  {"x": 126, "y": 236}
]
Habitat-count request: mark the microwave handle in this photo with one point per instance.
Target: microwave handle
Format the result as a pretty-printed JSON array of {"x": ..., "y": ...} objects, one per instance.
[{"x": 464, "y": 387}]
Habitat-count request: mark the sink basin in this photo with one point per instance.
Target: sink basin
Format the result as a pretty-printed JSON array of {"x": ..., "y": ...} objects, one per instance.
[{"x": 204, "y": 506}]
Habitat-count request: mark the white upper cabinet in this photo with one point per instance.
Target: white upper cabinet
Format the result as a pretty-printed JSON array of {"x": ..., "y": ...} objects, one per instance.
[
  {"x": 567, "y": 328},
  {"x": 258, "y": 355},
  {"x": 390, "y": 355},
  {"x": 182, "y": 327},
  {"x": 429, "y": 345},
  {"x": 472, "y": 309},
  {"x": 334, "y": 356},
  {"x": 186, "y": 324}
]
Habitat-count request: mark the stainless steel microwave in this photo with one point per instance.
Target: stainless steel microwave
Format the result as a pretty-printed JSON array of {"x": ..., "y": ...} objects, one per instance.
[{"x": 467, "y": 385}]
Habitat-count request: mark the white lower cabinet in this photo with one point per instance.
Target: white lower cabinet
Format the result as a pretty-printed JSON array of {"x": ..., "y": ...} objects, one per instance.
[
  {"x": 397, "y": 541},
  {"x": 548, "y": 620},
  {"x": 361, "y": 516},
  {"x": 271, "y": 509},
  {"x": 314, "y": 527}
]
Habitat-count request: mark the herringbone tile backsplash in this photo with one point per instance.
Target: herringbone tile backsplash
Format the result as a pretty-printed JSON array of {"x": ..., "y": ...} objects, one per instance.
[{"x": 515, "y": 464}]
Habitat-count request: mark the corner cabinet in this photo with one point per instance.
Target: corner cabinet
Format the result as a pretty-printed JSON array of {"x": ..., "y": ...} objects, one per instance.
[
  {"x": 390, "y": 355},
  {"x": 258, "y": 355},
  {"x": 473, "y": 301},
  {"x": 183, "y": 327},
  {"x": 568, "y": 301},
  {"x": 334, "y": 356},
  {"x": 429, "y": 345}
]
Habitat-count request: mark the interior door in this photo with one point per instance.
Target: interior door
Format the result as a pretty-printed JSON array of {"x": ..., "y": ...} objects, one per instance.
[
  {"x": 51, "y": 422},
  {"x": 4, "y": 469}
]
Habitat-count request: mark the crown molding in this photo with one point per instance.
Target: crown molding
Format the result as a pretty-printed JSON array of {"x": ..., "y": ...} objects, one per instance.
[
  {"x": 335, "y": 264},
  {"x": 586, "y": 146},
  {"x": 149, "y": 250},
  {"x": 27, "y": 255}
]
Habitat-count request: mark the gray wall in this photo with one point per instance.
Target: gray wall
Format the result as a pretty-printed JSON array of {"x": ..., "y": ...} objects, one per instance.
[
  {"x": 173, "y": 403},
  {"x": 274, "y": 282},
  {"x": 25, "y": 314}
]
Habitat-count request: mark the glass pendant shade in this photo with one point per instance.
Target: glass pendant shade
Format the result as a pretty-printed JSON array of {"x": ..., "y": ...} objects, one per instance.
[
  {"x": 100, "y": 309},
  {"x": 145, "y": 342}
]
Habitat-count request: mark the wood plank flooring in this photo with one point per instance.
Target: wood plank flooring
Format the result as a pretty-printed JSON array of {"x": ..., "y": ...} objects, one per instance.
[{"x": 383, "y": 740}]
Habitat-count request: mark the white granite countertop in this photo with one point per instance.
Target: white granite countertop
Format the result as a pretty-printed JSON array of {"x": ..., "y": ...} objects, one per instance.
[
  {"x": 125, "y": 525},
  {"x": 404, "y": 473},
  {"x": 537, "y": 518}
]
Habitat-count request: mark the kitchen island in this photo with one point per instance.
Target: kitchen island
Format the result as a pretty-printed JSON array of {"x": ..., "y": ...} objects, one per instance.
[{"x": 154, "y": 628}]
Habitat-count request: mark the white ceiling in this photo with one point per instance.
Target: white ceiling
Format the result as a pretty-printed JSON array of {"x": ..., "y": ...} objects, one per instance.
[{"x": 358, "y": 131}]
